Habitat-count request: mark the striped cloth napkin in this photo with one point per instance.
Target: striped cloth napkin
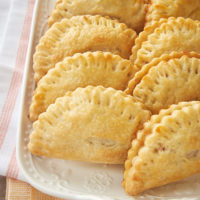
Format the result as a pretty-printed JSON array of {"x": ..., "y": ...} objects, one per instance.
[{"x": 15, "y": 23}]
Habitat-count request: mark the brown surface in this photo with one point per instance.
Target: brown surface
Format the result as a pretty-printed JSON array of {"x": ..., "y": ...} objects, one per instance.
[
  {"x": 18, "y": 190},
  {"x": 2, "y": 187},
  {"x": 36, "y": 195}
]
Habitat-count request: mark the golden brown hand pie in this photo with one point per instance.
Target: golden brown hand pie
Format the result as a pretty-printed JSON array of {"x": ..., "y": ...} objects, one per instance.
[
  {"x": 91, "y": 68},
  {"x": 144, "y": 70},
  {"x": 168, "y": 80},
  {"x": 174, "y": 141},
  {"x": 130, "y": 12},
  {"x": 165, "y": 36},
  {"x": 172, "y": 8},
  {"x": 80, "y": 34},
  {"x": 94, "y": 124}
]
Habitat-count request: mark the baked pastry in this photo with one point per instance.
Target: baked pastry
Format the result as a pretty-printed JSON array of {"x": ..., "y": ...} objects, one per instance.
[
  {"x": 158, "y": 9},
  {"x": 81, "y": 70},
  {"x": 130, "y": 12},
  {"x": 173, "y": 141},
  {"x": 93, "y": 124},
  {"x": 80, "y": 34},
  {"x": 165, "y": 36},
  {"x": 165, "y": 81}
]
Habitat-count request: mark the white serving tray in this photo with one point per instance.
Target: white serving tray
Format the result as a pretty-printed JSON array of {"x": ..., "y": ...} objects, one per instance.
[{"x": 78, "y": 180}]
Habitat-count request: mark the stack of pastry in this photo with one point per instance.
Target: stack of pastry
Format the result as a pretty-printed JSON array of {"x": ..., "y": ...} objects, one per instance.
[{"x": 92, "y": 103}]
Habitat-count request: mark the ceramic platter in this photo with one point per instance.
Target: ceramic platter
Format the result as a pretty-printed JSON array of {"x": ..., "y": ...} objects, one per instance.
[{"x": 78, "y": 180}]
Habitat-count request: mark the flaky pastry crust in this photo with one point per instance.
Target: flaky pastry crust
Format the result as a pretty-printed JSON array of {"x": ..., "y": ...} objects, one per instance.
[
  {"x": 173, "y": 142},
  {"x": 165, "y": 36},
  {"x": 80, "y": 70},
  {"x": 130, "y": 12},
  {"x": 170, "y": 82},
  {"x": 80, "y": 34},
  {"x": 158, "y": 9},
  {"x": 165, "y": 58},
  {"x": 93, "y": 124}
]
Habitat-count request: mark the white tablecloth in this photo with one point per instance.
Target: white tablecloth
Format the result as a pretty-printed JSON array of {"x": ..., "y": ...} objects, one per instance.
[{"x": 15, "y": 22}]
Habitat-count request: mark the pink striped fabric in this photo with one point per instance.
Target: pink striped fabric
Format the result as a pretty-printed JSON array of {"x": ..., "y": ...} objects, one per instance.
[
  {"x": 13, "y": 169},
  {"x": 14, "y": 88}
]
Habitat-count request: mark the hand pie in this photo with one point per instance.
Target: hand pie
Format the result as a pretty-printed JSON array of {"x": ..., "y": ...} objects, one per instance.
[
  {"x": 144, "y": 70},
  {"x": 81, "y": 70},
  {"x": 93, "y": 124},
  {"x": 165, "y": 82},
  {"x": 165, "y": 36},
  {"x": 174, "y": 141},
  {"x": 80, "y": 34},
  {"x": 130, "y": 12},
  {"x": 172, "y": 8}
]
